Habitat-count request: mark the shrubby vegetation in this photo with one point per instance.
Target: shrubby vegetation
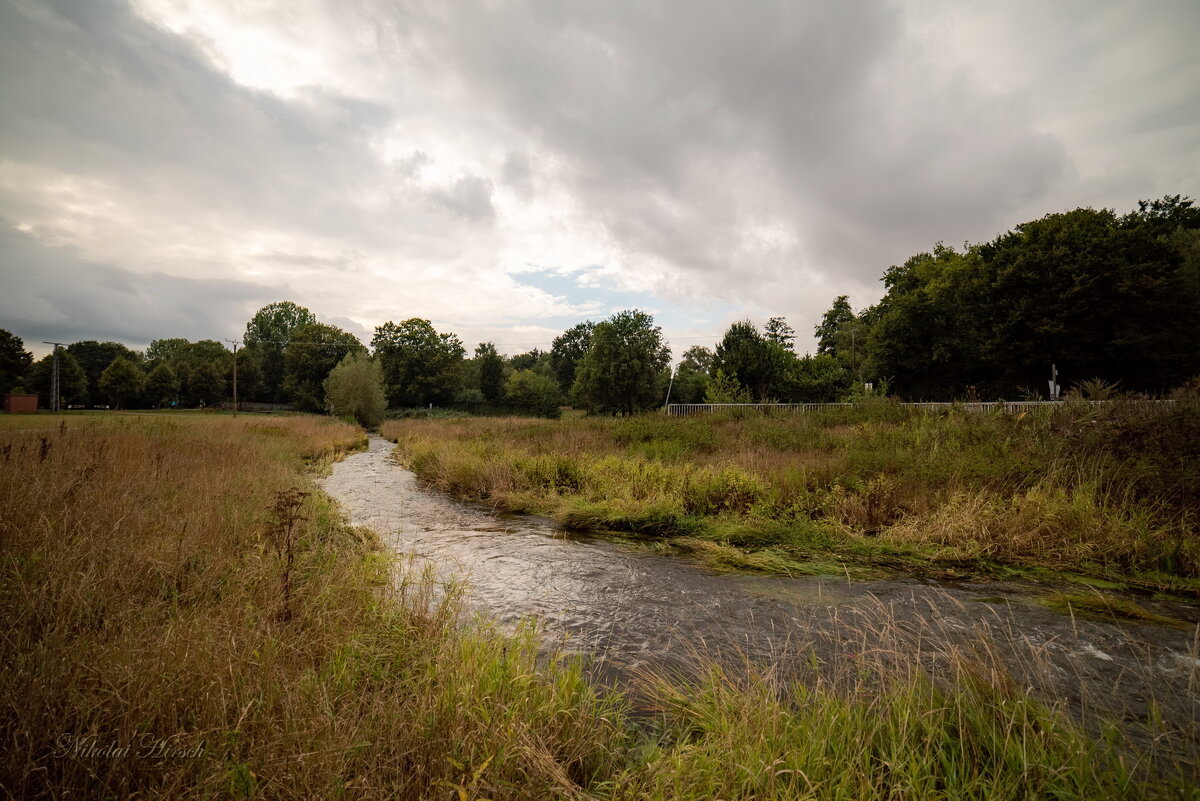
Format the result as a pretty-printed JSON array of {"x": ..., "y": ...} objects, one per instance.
[
  {"x": 1106, "y": 491},
  {"x": 532, "y": 393},
  {"x": 355, "y": 389}
]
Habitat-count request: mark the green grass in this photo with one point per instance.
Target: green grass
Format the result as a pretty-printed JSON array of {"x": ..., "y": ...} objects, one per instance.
[
  {"x": 1108, "y": 493},
  {"x": 730, "y": 738},
  {"x": 142, "y": 588}
]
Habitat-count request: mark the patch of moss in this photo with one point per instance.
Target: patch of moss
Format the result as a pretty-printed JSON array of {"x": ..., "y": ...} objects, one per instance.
[{"x": 1109, "y": 607}]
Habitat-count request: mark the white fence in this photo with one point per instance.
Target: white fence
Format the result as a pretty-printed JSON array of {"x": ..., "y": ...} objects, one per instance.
[
  {"x": 255, "y": 406},
  {"x": 679, "y": 409}
]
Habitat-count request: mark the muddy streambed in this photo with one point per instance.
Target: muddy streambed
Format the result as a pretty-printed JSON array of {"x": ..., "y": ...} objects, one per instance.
[{"x": 632, "y": 611}]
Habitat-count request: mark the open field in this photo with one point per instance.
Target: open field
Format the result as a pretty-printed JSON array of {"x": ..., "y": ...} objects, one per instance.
[
  {"x": 144, "y": 602},
  {"x": 1109, "y": 492},
  {"x": 179, "y": 622}
]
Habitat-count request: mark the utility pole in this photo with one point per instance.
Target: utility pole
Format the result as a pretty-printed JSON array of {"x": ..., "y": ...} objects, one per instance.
[
  {"x": 854, "y": 353},
  {"x": 235, "y": 347},
  {"x": 667, "y": 405},
  {"x": 55, "y": 384}
]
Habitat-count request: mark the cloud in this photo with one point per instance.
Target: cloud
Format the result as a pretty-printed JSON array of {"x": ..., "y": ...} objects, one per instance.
[
  {"x": 469, "y": 198},
  {"x": 394, "y": 159},
  {"x": 52, "y": 293},
  {"x": 684, "y": 132}
]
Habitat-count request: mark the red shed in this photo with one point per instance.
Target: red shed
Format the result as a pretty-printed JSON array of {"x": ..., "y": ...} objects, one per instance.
[{"x": 18, "y": 404}]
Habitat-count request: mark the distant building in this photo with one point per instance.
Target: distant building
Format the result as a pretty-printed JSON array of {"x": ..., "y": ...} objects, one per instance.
[{"x": 20, "y": 404}]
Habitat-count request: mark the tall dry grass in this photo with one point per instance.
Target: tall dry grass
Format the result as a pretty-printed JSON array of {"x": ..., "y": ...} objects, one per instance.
[
  {"x": 148, "y": 650},
  {"x": 1111, "y": 491}
]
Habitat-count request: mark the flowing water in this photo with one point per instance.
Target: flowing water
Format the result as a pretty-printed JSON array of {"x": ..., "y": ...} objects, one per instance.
[{"x": 631, "y": 610}]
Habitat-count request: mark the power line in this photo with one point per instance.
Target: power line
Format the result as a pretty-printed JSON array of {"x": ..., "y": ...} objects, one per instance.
[
  {"x": 356, "y": 343},
  {"x": 55, "y": 384},
  {"x": 551, "y": 344}
]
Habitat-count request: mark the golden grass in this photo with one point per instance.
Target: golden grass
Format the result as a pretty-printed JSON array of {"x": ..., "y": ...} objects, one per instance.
[
  {"x": 1062, "y": 489},
  {"x": 142, "y": 604},
  {"x": 148, "y": 653}
]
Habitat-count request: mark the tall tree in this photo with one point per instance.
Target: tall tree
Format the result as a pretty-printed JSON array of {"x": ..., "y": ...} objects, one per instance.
[
  {"x": 741, "y": 354},
  {"x": 1099, "y": 296},
  {"x": 692, "y": 375},
  {"x": 164, "y": 350},
  {"x": 757, "y": 363},
  {"x": 490, "y": 365},
  {"x": 94, "y": 357},
  {"x": 625, "y": 369},
  {"x": 536, "y": 359},
  {"x": 189, "y": 354},
  {"x": 568, "y": 349},
  {"x": 1089, "y": 294},
  {"x": 249, "y": 373},
  {"x": 928, "y": 333},
  {"x": 15, "y": 361},
  {"x": 162, "y": 385},
  {"x": 419, "y": 364},
  {"x": 268, "y": 332},
  {"x": 122, "y": 380},
  {"x": 183, "y": 357},
  {"x": 206, "y": 385},
  {"x": 778, "y": 331},
  {"x": 1165, "y": 215},
  {"x": 839, "y": 314},
  {"x": 313, "y": 351}
]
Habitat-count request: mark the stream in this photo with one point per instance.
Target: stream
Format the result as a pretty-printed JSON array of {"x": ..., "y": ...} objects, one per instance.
[{"x": 635, "y": 612}]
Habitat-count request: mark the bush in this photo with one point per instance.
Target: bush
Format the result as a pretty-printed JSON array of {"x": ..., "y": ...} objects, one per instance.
[
  {"x": 533, "y": 393},
  {"x": 355, "y": 388}
]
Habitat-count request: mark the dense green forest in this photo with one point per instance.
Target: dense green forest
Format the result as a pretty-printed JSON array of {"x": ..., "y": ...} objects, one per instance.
[
  {"x": 1111, "y": 300},
  {"x": 1101, "y": 296}
]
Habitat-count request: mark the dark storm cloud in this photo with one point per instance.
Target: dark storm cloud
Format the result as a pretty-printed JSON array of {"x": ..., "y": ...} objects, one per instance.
[
  {"x": 766, "y": 156},
  {"x": 51, "y": 293},
  {"x": 680, "y": 123}
]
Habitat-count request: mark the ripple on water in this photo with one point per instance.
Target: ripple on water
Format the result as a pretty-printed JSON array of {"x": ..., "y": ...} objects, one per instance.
[{"x": 631, "y": 610}]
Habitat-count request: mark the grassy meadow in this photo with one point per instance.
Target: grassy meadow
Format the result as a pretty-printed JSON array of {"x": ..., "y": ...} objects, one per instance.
[
  {"x": 1109, "y": 492},
  {"x": 186, "y": 616}
]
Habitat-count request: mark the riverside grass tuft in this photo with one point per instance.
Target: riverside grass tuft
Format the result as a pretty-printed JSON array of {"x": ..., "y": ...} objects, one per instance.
[
  {"x": 145, "y": 655},
  {"x": 1110, "y": 491}
]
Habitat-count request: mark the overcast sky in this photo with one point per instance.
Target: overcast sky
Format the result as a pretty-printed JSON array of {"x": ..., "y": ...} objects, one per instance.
[{"x": 507, "y": 169}]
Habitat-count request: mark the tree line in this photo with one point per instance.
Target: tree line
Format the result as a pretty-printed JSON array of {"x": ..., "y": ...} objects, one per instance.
[
  {"x": 1101, "y": 296},
  {"x": 1111, "y": 301}
]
